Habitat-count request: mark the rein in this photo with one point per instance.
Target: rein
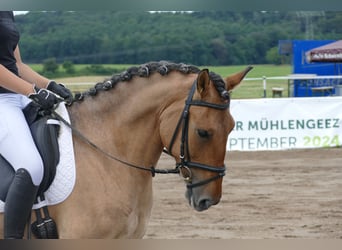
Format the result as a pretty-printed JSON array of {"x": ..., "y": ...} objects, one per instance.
[{"x": 151, "y": 169}]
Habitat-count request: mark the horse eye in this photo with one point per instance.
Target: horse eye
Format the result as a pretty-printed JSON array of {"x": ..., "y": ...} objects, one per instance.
[{"x": 203, "y": 133}]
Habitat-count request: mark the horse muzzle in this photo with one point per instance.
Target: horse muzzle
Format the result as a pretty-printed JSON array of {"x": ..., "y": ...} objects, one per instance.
[{"x": 200, "y": 202}]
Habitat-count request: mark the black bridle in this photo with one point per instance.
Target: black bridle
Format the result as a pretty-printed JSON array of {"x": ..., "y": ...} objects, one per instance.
[{"x": 185, "y": 163}]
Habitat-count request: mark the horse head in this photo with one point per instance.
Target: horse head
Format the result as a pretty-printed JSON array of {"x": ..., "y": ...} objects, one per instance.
[{"x": 199, "y": 141}]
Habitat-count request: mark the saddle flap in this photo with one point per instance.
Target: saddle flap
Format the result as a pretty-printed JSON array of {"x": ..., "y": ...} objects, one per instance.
[{"x": 45, "y": 134}]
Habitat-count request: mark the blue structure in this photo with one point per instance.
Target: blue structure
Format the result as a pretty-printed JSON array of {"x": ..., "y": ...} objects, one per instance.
[
  {"x": 303, "y": 88},
  {"x": 300, "y": 64}
]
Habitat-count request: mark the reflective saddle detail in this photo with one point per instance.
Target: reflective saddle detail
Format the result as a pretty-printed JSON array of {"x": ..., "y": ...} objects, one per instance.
[{"x": 65, "y": 177}]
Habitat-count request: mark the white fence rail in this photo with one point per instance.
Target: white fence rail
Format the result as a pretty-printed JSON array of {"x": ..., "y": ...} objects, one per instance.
[{"x": 334, "y": 81}]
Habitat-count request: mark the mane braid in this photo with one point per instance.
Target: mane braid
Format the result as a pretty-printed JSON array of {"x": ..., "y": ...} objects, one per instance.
[{"x": 145, "y": 70}]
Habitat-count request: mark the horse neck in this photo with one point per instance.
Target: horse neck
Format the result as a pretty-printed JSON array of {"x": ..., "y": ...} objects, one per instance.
[{"x": 126, "y": 119}]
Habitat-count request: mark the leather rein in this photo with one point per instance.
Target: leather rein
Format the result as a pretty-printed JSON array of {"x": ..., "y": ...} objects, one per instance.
[{"x": 185, "y": 164}]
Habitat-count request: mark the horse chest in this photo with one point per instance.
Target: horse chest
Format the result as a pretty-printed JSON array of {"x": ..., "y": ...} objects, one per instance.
[
  {"x": 133, "y": 221},
  {"x": 133, "y": 224}
]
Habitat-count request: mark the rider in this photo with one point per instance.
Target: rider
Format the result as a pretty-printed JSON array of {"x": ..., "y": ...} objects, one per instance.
[{"x": 19, "y": 85}]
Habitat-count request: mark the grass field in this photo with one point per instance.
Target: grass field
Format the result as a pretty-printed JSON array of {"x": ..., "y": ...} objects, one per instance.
[{"x": 248, "y": 88}]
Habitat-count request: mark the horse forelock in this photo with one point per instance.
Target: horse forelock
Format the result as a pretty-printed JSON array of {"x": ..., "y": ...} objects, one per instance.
[{"x": 147, "y": 69}]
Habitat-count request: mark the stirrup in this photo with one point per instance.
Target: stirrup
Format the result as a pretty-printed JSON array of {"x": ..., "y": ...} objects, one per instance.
[{"x": 44, "y": 228}]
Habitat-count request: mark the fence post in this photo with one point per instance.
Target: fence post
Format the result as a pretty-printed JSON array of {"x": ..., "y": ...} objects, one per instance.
[{"x": 264, "y": 84}]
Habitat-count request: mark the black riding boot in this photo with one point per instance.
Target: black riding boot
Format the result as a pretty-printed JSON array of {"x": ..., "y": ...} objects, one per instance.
[{"x": 19, "y": 202}]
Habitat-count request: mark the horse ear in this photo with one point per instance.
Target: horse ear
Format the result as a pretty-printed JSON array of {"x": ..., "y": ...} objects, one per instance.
[
  {"x": 234, "y": 80},
  {"x": 203, "y": 81}
]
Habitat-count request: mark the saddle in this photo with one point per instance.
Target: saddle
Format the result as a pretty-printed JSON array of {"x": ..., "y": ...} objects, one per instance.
[{"x": 45, "y": 130}]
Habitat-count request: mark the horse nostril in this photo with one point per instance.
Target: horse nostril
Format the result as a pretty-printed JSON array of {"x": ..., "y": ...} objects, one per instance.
[{"x": 204, "y": 204}]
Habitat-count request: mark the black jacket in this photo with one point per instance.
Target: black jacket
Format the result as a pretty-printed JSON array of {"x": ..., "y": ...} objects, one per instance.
[{"x": 9, "y": 38}]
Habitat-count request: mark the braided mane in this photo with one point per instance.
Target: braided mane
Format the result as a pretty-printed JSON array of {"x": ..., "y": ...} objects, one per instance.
[{"x": 144, "y": 70}]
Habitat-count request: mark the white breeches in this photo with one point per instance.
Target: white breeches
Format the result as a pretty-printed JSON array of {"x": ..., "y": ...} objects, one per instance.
[{"x": 16, "y": 143}]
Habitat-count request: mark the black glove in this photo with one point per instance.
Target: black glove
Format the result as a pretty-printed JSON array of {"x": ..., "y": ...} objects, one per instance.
[
  {"x": 44, "y": 98},
  {"x": 61, "y": 90}
]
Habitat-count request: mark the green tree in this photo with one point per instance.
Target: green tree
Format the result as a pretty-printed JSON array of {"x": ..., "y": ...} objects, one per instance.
[
  {"x": 273, "y": 57},
  {"x": 50, "y": 66},
  {"x": 69, "y": 67},
  {"x": 205, "y": 37}
]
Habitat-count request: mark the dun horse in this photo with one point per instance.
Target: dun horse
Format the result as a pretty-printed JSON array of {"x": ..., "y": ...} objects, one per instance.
[{"x": 144, "y": 110}]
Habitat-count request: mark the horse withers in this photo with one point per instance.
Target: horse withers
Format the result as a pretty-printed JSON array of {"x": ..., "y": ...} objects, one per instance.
[{"x": 120, "y": 128}]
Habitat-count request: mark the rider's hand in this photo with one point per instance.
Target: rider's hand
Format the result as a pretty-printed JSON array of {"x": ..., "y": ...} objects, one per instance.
[
  {"x": 61, "y": 90},
  {"x": 44, "y": 98}
]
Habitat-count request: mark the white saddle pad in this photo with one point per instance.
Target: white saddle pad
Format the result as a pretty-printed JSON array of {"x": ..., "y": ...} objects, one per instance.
[{"x": 64, "y": 181}]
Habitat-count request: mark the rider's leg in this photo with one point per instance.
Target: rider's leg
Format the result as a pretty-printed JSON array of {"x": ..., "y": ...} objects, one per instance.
[
  {"x": 18, "y": 148},
  {"x": 18, "y": 206}
]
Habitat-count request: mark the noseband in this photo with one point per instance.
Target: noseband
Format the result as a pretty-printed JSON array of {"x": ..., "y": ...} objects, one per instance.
[{"x": 185, "y": 163}]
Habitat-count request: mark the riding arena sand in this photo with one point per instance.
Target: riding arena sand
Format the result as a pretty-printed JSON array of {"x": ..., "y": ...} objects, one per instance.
[{"x": 282, "y": 194}]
